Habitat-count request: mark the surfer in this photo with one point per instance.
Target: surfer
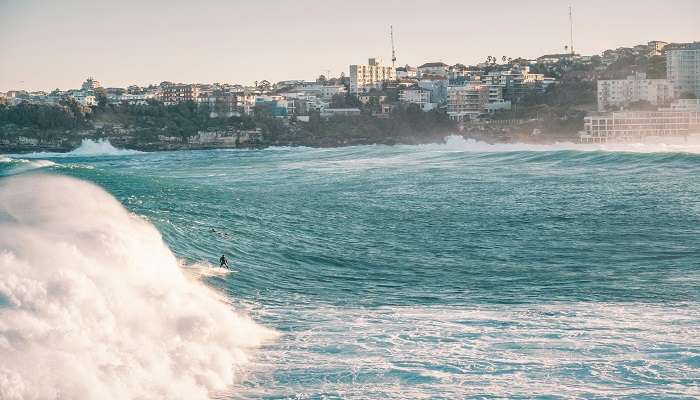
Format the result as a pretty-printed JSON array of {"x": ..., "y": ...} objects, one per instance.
[{"x": 223, "y": 261}]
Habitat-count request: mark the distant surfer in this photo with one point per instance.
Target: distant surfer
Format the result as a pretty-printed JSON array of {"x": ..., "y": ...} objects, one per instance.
[{"x": 223, "y": 261}]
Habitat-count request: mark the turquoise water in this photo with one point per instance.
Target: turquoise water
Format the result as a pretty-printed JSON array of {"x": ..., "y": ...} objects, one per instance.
[{"x": 459, "y": 270}]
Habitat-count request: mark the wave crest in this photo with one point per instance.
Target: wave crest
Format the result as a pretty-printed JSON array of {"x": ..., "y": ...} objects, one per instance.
[{"x": 94, "y": 305}]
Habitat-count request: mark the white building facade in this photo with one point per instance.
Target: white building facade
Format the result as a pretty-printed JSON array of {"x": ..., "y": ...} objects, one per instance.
[
  {"x": 621, "y": 92},
  {"x": 420, "y": 97},
  {"x": 683, "y": 67},
  {"x": 433, "y": 68},
  {"x": 370, "y": 76}
]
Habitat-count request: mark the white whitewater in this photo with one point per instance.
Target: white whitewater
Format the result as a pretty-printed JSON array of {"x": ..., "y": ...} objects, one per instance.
[
  {"x": 691, "y": 144},
  {"x": 93, "y": 304},
  {"x": 101, "y": 147}
]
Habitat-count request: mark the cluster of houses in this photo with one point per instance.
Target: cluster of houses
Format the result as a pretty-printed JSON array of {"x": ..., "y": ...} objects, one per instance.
[
  {"x": 463, "y": 92},
  {"x": 675, "y": 108}
]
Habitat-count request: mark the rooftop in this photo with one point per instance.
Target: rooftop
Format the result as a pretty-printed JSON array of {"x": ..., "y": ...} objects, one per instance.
[{"x": 433, "y": 64}]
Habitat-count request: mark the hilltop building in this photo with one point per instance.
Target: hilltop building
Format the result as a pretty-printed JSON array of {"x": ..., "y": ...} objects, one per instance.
[
  {"x": 656, "y": 48},
  {"x": 406, "y": 72},
  {"x": 369, "y": 76},
  {"x": 683, "y": 68},
  {"x": 621, "y": 92},
  {"x": 177, "y": 93},
  {"x": 433, "y": 68},
  {"x": 90, "y": 84}
]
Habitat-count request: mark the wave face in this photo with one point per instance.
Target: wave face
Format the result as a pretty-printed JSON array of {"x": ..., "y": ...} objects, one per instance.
[
  {"x": 455, "y": 270},
  {"x": 94, "y": 306}
]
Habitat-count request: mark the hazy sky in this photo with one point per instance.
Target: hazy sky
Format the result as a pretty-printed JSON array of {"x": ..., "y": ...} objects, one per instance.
[{"x": 50, "y": 44}]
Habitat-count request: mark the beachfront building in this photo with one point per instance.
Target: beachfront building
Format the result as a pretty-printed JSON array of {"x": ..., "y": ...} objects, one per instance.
[
  {"x": 621, "y": 92},
  {"x": 418, "y": 96},
  {"x": 683, "y": 68},
  {"x": 681, "y": 119},
  {"x": 467, "y": 102},
  {"x": 369, "y": 76}
]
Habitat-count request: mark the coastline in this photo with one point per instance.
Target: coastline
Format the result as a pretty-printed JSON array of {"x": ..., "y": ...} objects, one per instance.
[{"x": 131, "y": 143}]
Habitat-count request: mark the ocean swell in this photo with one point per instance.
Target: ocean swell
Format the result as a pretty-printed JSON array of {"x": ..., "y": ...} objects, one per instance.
[{"x": 94, "y": 305}]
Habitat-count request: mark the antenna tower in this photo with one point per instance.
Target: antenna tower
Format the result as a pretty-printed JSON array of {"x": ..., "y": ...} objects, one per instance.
[
  {"x": 571, "y": 30},
  {"x": 393, "y": 52}
]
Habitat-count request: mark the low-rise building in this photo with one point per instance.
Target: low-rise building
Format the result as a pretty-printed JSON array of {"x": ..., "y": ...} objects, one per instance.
[
  {"x": 557, "y": 58},
  {"x": 418, "y": 96},
  {"x": 84, "y": 98},
  {"x": 335, "y": 112},
  {"x": 327, "y": 92},
  {"x": 433, "y": 69},
  {"x": 406, "y": 72}
]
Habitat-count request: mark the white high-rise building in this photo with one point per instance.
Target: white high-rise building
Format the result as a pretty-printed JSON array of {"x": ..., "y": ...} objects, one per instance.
[
  {"x": 366, "y": 77},
  {"x": 683, "y": 67},
  {"x": 621, "y": 92}
]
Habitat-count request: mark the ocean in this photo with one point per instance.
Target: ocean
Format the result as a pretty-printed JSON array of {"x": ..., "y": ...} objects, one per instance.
[{"x": 443, "y": 271}]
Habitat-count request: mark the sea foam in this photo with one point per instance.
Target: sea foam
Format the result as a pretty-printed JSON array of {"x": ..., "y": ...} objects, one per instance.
[{"x": 93, "y": 304}]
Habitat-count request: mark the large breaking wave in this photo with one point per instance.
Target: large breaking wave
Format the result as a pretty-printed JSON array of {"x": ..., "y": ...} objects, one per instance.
[{"x": 93, "y": 304}]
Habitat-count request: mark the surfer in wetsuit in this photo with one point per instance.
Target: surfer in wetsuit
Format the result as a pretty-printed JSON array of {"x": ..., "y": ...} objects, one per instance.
[{"x": 223, "y": 261}]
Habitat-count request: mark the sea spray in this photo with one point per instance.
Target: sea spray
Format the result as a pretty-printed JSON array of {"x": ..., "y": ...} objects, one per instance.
[
  {"x": 100, "y": 147},
  {"x": 94, "y": 305}
]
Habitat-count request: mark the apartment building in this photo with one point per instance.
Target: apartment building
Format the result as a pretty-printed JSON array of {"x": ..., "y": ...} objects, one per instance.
[
  {"x": 178, "y": 93},
  {"x": 621, "y": 92},
  {"x": 517, "y": 82},
  {"x": 369, "y": 76},
  {"x": 635, "y": 125},
  {"x": 418, "y": 96},
  {"x": 467, "y": 102},
  {"x": 683, "y": 68}
]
